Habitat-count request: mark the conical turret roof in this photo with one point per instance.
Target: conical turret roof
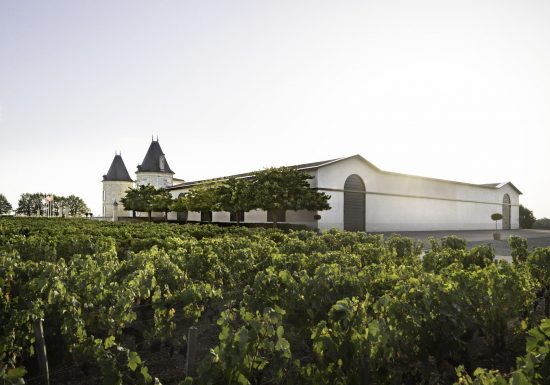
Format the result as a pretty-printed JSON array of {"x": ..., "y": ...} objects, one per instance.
[
  {"x": 117, "y": 171},
  {"x": 154, "y": 160}
]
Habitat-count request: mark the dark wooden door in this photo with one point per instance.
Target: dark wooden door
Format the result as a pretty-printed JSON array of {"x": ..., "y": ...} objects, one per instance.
[{"x": 354, "y": 204}]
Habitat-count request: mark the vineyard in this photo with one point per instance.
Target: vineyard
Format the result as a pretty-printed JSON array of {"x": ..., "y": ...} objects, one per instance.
[{"x": 270, "y": 307}]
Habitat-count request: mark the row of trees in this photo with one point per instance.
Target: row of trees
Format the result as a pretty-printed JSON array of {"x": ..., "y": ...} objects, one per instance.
[
  {"x": 272, "y": 189},
  {"x": 528, "y": 221},
  {"x": 54, "y": 205}
]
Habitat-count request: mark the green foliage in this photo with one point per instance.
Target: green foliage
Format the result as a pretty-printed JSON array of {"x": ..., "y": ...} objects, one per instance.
[
  {"x": 75, "y": 206},
  {"x": 481, "y": 255},
  {"x": 435, "y": 261},
  {"x": 291, "y": 307},
  {"x": 147, "y": 198},
  {"x": 277, "y": 189},
  {"x": 343, "y": 344},
  {"x": 403, "y": 247},
  {"x": 133, "y": 201},
  {"x": 496, "y": 217},
  {"x": 532, "y": 368},
  {"x": 288, "y": 189},
  {"x": 162, "y": 202},
  {"x": 236, "y": 195},
  {"x": 30, "y": 204},
  {"x": 539, "y": 263},
  {"x": 453, "y": 242},
  {"x": 5, "y": 205},
  {"x": 249, "y": 345},
  {"x": 518, "y": 246},
  {"x": 203, "y": 197},
  {"x": 179, "y": 204},
  {"x": 542, "y": 223},
  {"x": 526, "y": 217}
]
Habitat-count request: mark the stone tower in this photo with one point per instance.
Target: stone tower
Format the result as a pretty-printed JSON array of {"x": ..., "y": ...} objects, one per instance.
[
  {"x": 115, "y": 183},
  {"x": 154, "y": 169}
]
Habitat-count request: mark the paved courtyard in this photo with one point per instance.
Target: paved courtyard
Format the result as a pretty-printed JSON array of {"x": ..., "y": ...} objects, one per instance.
[{"x": 535, "y": 238}]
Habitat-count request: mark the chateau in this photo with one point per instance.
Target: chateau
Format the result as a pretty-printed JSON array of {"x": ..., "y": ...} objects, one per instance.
[{"x": 363, "y": 197}]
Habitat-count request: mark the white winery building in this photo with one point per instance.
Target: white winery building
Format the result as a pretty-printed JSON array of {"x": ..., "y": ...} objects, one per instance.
[{"x": 362, "y": 197}]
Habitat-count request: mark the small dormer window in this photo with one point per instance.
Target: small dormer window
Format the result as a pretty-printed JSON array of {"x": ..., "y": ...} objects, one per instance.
[{"x": 162, "y": 162}]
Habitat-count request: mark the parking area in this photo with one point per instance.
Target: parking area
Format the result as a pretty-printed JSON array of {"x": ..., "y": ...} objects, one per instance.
[{"x": 535, "y": 238}]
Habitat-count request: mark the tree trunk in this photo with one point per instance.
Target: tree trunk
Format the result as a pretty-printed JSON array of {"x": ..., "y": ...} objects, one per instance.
[
  {"x": 149, "y": 215},
  {"x": 134, "y": 213},
  {"x": 166, "y": 216}
]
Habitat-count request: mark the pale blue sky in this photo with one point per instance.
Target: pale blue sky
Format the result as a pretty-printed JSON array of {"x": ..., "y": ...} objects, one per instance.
[{"x": 450, "y": 89}]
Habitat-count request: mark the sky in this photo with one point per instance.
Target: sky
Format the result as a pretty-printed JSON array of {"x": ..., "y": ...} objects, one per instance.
[{"x": 456, "y": 90}]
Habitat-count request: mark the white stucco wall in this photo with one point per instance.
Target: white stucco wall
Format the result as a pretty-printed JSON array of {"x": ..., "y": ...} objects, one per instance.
[
  {"x": 156, "y": 179},
  {"x": 302, "y": 217},
  {"x": 114, "y": 191},
  {"x": 396, "y": 202},
  {"x": 255, "y": 216}
]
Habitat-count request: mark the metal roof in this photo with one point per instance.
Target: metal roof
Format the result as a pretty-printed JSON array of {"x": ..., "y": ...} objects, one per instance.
[
  {"x": 304, "y": 166},
  {"x": 315, "y": 165}
]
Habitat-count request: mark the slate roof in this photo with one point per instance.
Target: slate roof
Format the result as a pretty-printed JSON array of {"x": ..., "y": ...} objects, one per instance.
[
  {"x": 152, "y": 161},
  {"x": 117, "y": 171}
]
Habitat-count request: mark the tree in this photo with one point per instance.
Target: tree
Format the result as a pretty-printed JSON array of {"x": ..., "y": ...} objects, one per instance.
[
  {"x": 542, "y": 223},
  {"x": 286, "y": 188},
  {"x": 526, "y": 217},
  {"x": 179, "y": 204},
  {"x": 5, "y": 205},
  {"x": 161, "y": 202},
  {"x": 132, "y": 201},
  {"x": 140, "y": 199},
  {"x": 30, "y": 204},
  {"x": 203, "y": 197},
  {"x": 235, "y": 195},
  {"x": 496, "y": 217},
  {"x": 60, "y": 205},
  {"x": 76, "y": 206}
]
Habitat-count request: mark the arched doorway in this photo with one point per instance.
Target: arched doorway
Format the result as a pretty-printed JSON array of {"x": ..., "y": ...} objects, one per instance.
[
  {"x": 506, "y": 211},
  {"x": 354, "y": 203}
]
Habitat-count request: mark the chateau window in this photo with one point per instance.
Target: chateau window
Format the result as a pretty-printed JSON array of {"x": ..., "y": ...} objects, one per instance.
[
  {"x": 162, "y": 163},
  {"x": 104, "y": 196}
]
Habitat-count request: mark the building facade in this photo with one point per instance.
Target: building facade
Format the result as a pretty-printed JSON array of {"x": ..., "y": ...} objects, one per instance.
[{"x": 362, "y": 198}]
